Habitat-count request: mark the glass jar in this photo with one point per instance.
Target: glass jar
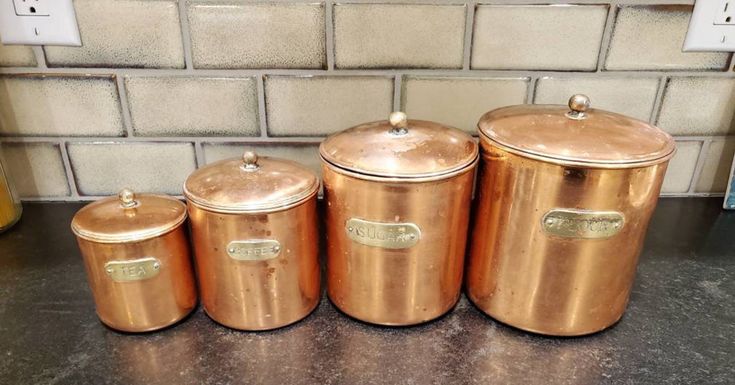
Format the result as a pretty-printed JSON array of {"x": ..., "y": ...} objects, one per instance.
[{"x": 10, "y": 207}]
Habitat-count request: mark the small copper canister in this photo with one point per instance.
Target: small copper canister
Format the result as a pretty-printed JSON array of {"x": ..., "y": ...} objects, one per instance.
[
  {"x": 137, "y": 258},
  {"x": 255, "y": 235},
  {"x": 563, "y": 202},
  {"x": 398, "y": 198}
]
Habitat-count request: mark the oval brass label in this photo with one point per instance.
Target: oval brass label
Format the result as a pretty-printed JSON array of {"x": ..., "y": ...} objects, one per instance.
[
  {"x": 254, "y": 249},
  {"x": 133, "y": 270},
  {"x": 587, "y": 224},
  {"x": 382, "y": 234}
]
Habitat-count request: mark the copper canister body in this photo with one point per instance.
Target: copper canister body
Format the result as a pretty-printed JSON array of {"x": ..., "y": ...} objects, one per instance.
[
  {"x": 148, "y": 297},
  {"x": 521, "y": 275},
  {"x": 403, "y": 286},
  {"x": 265, "y": 293}
]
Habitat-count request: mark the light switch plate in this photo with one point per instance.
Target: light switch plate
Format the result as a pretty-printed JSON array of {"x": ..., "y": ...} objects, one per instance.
[
  {"x": 712, "y": 26},
  {"x": 39, "y": 22}
]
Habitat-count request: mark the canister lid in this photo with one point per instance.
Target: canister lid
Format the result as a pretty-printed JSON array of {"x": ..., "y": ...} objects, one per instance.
[
  {"x": 128, "y": 217},
  {"x": 250, "y": 184},
  {"x": 400, "y": 148},
  {"x": 578, "y": 135}
]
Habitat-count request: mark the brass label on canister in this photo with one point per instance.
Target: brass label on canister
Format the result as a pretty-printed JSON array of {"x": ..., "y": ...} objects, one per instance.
[
  {"x": 381, "y": 234},
  {"x": 133, "y": 270},
  {"x": 254, "y": 249},
  {"x": 587, "y": 224}
]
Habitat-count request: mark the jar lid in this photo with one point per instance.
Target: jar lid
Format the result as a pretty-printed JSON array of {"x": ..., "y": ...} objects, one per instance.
[
  {"x": 250, "y": 184},
  {"x": 400, "y": 148},
  {"x": 129, "y": 217},
  {"x": 580, "y": 135}
]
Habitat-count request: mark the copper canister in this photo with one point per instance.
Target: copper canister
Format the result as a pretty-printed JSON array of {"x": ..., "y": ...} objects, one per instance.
[
  {"x": 398, "y": 198},
  {"x": 255, "y": 235},
  {"x": 137, "y": 258},
  {"x": 563, "y": 202}
]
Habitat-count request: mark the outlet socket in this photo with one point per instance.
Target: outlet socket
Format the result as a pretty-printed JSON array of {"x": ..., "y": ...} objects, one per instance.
[
  {"x": 39, "y": 22},
  {"x": 712, "y": 26},
  {"x": 725, "y": 15},
  {"x": 30, "y": 8}
]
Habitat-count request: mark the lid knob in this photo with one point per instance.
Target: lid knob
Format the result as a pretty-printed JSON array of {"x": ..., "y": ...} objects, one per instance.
[
  {"x": 127, "y": 198},
  {"x": 578, "y": 106},
  {"x": 250, "y": 161},
  {"x": 399, "y": 121}
]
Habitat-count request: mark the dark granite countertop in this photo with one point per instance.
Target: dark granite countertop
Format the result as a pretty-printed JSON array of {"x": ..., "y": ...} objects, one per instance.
[{"x": 679, "y": 326}]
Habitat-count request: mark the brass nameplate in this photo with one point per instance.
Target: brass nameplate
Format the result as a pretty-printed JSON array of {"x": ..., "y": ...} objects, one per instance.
[
  {"x": 254, "y": 249},
  {"x": 587, "y": 224},
  {"x": 133, "y": 270},
  {"x": 381, "y": 234}
]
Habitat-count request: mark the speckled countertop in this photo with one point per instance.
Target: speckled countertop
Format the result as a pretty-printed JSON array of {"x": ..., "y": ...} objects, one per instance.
[{"x": 679, "y": 327}]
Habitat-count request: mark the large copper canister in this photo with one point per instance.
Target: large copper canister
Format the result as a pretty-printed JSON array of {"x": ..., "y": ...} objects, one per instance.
[
  {"x": 137, "y": 258},
  {"x": 563, "y": 202},
  {"x": 398, "y": 199},
  {"x": 255, "y": 235}
]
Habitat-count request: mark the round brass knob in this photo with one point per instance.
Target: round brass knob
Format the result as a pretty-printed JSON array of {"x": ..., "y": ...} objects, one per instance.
[
  {"x": 399, "y": 121},
  {"x": 578, "y": 105},
  {"x": 127, "y": 198},
  {"x": 250, "y": 160}
]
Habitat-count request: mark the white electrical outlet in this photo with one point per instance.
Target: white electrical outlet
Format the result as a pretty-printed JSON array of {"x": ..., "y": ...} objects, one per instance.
[
  {"x": 39, "y": 22},
  {"x": 712, "y": 26}
]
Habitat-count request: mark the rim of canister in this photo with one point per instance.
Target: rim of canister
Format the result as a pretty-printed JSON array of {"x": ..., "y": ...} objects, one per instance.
[
  {"x": 250, "y": 185},
  {"x": 159, "y": 215},
  {"x": 662, "y": 145},
  {"x": 400, "y": 150}
]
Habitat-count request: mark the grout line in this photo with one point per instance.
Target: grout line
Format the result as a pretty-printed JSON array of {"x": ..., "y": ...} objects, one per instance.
[
  {"x": 127, "y": 117},
  {"x": 513, "y": 2},
  {"x": 153, "y": 139},
  {"x": 231, "y": 139},
  {"x": 587, "y": 2},
  {"x": 469, "y": 27},
  {"x": 357, "y": 72},
  {"x": 329, "y": 33},
  {"x": 262, "y": 116},
  {"x": 89, "y": 198},
  {"x": 658, "y": 101},
  {"x": 185, "y": 34},
  {"x": 40, "y": 56},
  {"x": 71, "y": 181},
  {"x": 398, "y": 93},
  {"x": 612, "y": 11},
  {"x": 531, "y": 90},
  {"x": 199, "y": 154},
  {"x": 699, "y": 165}
]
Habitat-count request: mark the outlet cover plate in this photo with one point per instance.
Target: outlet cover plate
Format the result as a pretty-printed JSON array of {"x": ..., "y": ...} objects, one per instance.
[
  {"x": 54, "y": 24},
  {"x": 712, "y": 26}
]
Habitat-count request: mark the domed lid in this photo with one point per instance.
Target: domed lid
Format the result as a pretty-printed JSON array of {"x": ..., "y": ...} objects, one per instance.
[
  {"x": 577, "y": 136},
  {"x": 400, "y": 148},
  {"x": 128, "y": 217},
  {"x": 250, "y": 184}
]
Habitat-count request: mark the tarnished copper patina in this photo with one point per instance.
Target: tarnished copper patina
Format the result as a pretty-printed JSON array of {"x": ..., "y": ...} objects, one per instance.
[
  {"x": 137, "y": 258},
  {"x": 398, "y": 197},
  {"x": 255, "y": 236},
  {"x": 563, "y": 202}
]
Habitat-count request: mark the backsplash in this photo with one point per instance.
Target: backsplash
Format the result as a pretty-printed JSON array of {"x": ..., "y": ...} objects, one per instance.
[{"x": 163, "y": 86}]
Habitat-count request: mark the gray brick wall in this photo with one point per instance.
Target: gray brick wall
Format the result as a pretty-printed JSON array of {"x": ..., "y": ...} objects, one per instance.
[{"x": 162, "y": 87}]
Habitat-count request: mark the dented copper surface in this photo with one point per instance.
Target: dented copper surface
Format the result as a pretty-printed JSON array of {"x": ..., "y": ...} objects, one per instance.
[
  {"x": 255, "y": 236},
  {"x": 398, "y": 195},
  {"x": 563, "y": 200},
  {"x": 137, "y": 259}
]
